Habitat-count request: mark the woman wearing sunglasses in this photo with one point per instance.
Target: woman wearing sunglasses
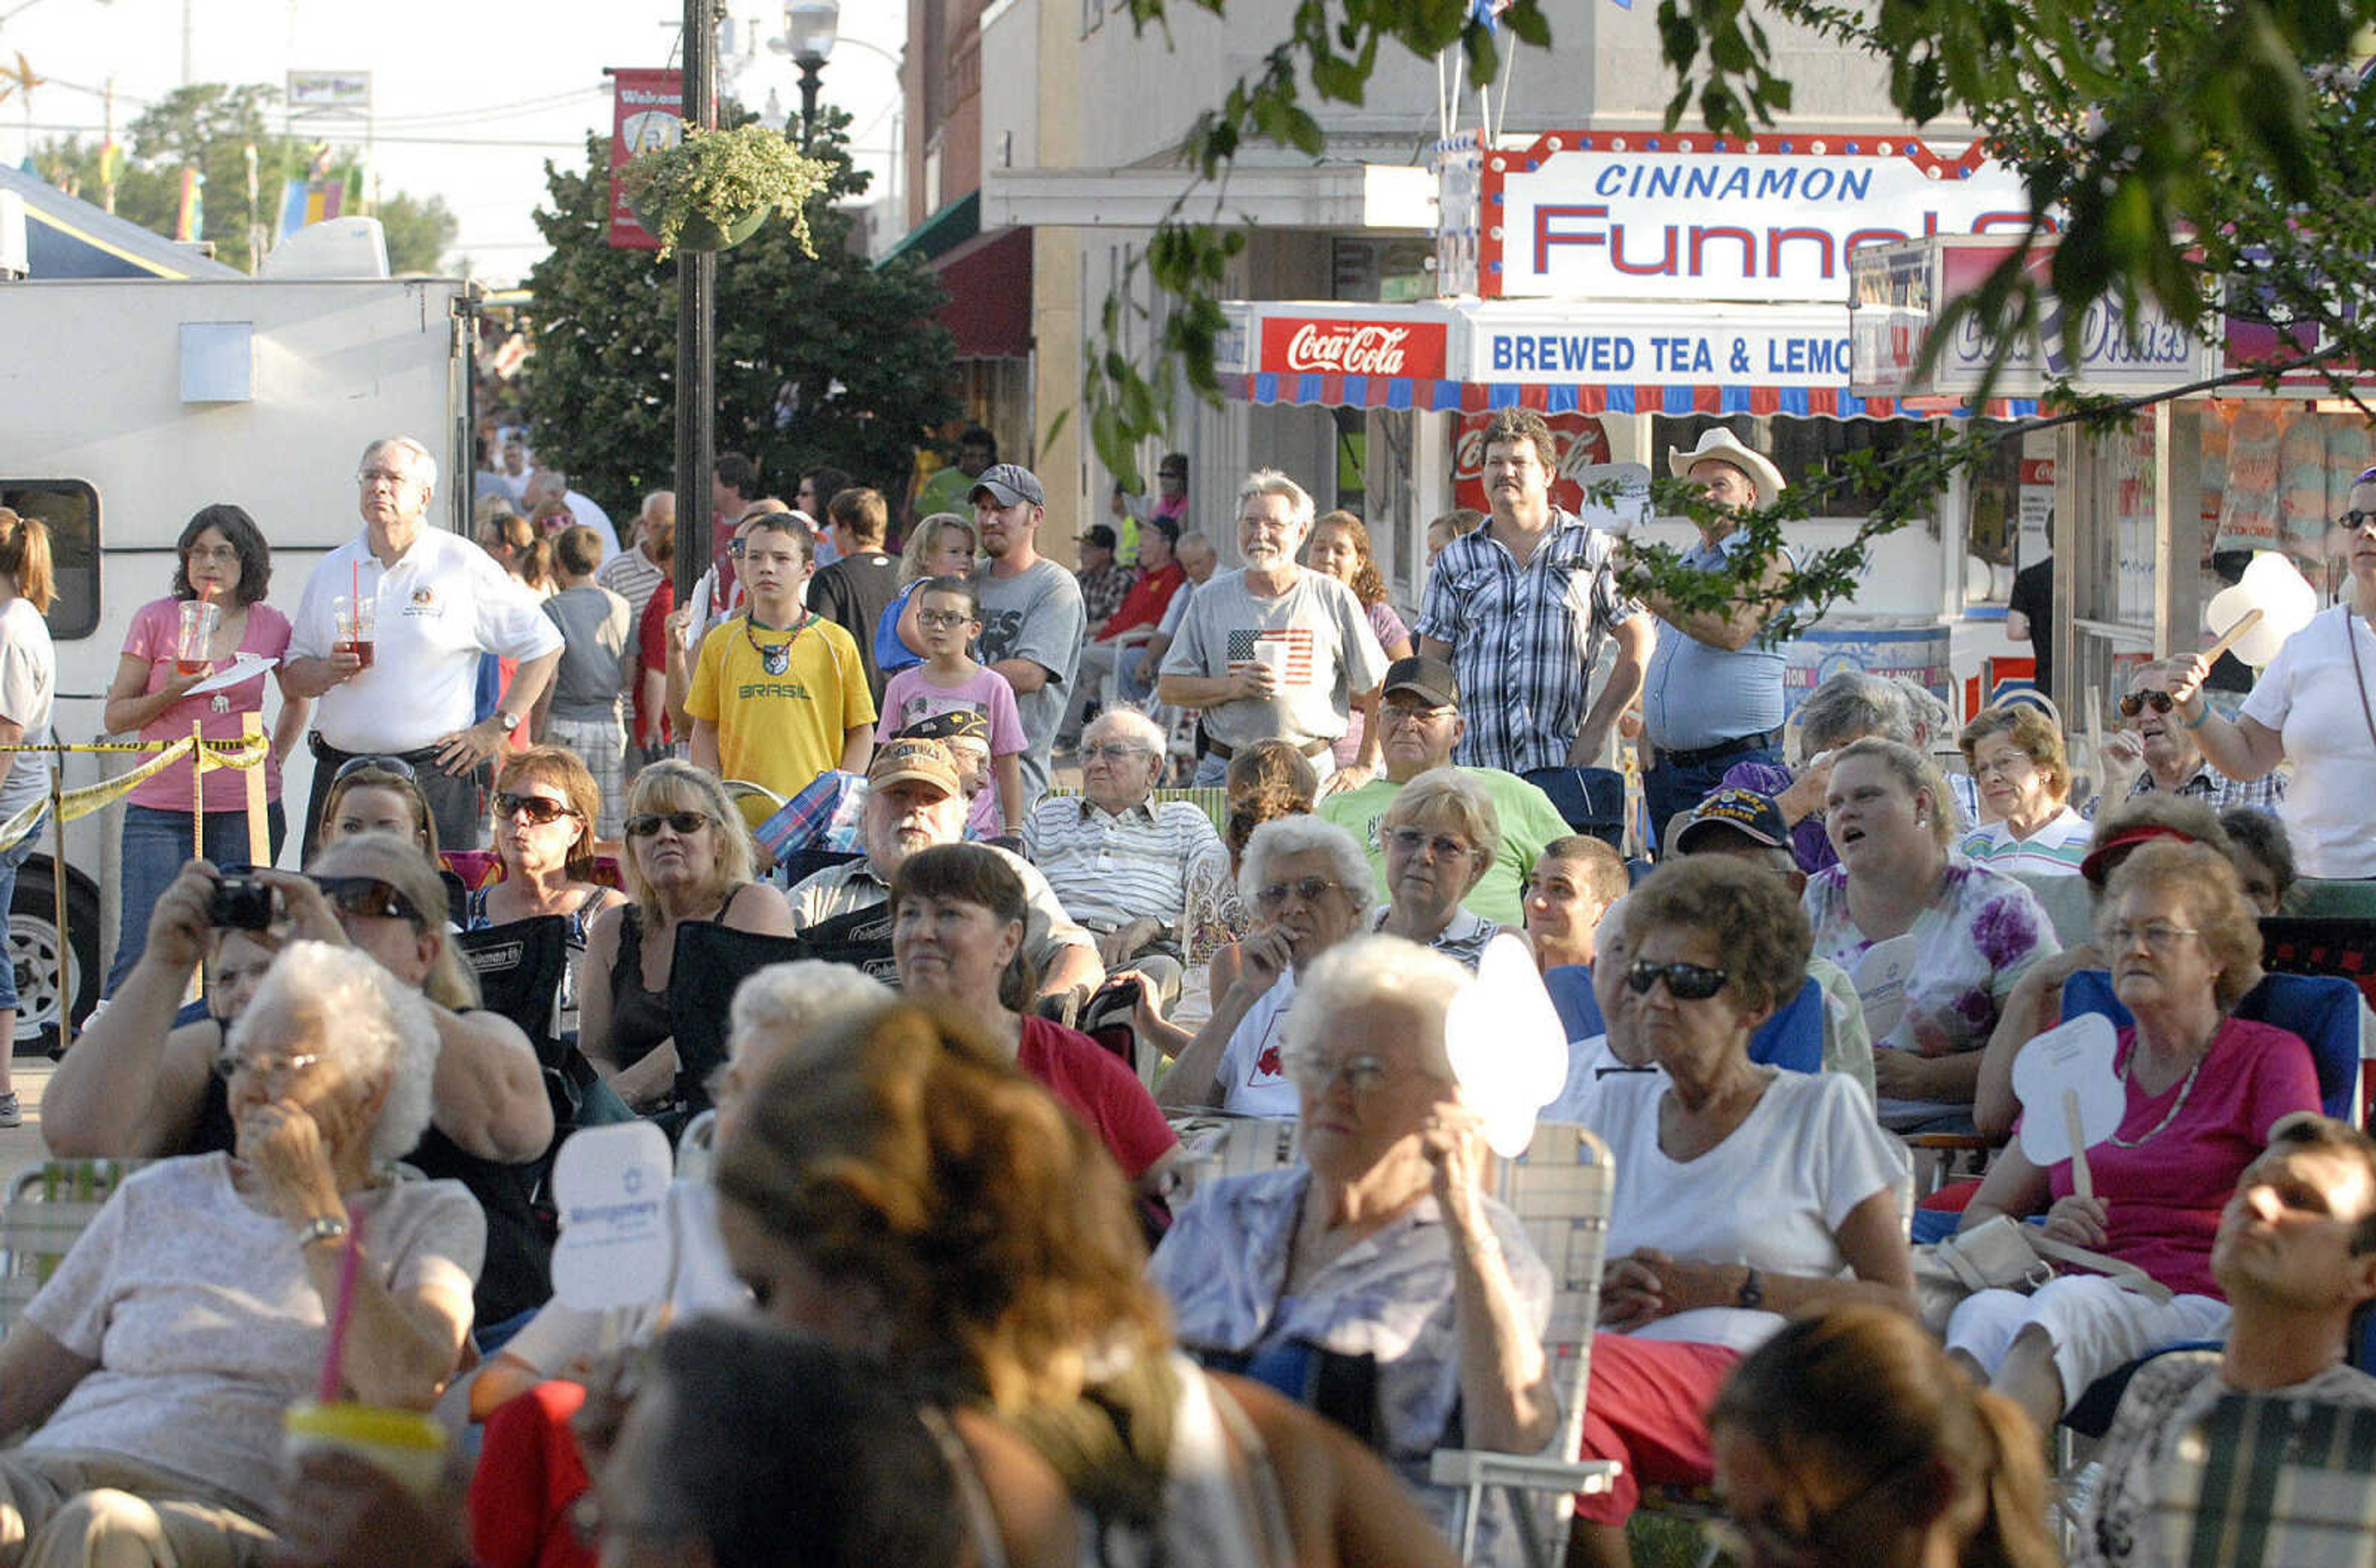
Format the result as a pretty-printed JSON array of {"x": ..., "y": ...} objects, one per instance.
[
  {"x": 545, "y": 807},
  {"x": 689, "y": 858},
  {"x": 1848, "y": 1441},
  {"x": 1744, "y": 1194}
]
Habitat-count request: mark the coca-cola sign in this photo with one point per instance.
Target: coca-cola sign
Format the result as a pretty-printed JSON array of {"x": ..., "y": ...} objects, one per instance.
[{"x": 1341, "y": 346}]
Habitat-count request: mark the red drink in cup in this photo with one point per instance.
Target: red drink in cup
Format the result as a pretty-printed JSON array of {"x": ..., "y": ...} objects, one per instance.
[
  {"x": 357, "y": 622},
  {"x": 200, "y": 618}
]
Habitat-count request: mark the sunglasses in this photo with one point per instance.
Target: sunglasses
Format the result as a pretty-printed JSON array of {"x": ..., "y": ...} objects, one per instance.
[
  {"x": 2354, "y": 519},
  {"x": 368, "y": 897},
  {"x": 395, "y": 764},
  {"x": 684, "y": 824},
  {"x": 538, "y": 809},
  {"x": 1309, "y": 889},
  {"x": 1685, "y": 982},
  {"x": 2137, "y": 702}
]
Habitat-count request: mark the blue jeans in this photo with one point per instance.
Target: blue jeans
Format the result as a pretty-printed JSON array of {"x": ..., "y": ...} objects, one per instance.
[
  {"x": 1668, "y": 789},
  {"x": 156, "y": 846},
  {"x": 10, "y": 861}
]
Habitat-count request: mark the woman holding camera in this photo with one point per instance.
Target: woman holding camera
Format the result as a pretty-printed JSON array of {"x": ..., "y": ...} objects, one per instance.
[{"x": 223, "y": 563}]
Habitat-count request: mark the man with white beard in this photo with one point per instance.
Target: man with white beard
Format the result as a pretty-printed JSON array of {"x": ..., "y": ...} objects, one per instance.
[{"x": 1275, "y": 652}]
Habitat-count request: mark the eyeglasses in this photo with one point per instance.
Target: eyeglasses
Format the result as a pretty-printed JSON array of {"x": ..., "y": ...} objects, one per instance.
[
  {"x": 2356, "y": 519},
  {"x": 1403, "y": 713},
  {"x": 1307, "y": 889},
  {"x": 1113, "y": 751},
  {"x": 2159, "y": 935},
  {"x": 934, "y": 620},
  {"x": 2137, "y": 702},
  {"x": 1761, "y": 1539},
  {"x": 538, "y": 809},
  {"x": 395, "y": 764},
  {"x": 682, "y": 823},
  {"x": 276, "y": 1069},
  {"x": 1412, "y": 841},
  {"x": 368, "y": 897},
  {"x": 2011, "y": 765},
  {"x": 1317, "y": 1072},
  {"x": 213, "y": 552},
  {"x": 370, "y": 477},
  {"x": 1685, "y": 982}
]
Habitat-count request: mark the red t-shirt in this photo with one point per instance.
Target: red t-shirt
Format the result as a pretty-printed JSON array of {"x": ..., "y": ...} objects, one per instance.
[
  {"x": 651, "y": 647},
  {"x": 1093, "y": 1082},
  {"x": 2162, "y": 1199}
]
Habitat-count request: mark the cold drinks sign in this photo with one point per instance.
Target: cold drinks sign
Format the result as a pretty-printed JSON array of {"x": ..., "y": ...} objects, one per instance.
[{"x": 1630, "y": 215}]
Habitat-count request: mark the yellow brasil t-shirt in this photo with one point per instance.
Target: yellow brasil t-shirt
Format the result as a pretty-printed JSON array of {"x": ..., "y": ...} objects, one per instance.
[{"x": 780, "y": 730}]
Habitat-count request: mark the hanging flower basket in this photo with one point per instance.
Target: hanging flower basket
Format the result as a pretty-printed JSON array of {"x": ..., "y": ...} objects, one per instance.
[{"x": 715, "y": 188}]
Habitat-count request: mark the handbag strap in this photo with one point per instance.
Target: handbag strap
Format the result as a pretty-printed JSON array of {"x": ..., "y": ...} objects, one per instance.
[
  {"x": 2127, "y": 1276},
  {"x": 2358, "y": 681}
]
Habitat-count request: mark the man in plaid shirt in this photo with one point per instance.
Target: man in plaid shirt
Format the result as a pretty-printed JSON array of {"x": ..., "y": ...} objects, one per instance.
[
  {"x": 1519, "y": 608},
  {"x": 2153, "y": 750}
]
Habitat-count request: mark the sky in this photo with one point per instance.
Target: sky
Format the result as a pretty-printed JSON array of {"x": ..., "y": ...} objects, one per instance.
[{"x": 466, "y": 107}]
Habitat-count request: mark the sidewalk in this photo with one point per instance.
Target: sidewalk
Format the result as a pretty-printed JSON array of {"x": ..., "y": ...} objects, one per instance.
[{"x": 21, "y": 1147}]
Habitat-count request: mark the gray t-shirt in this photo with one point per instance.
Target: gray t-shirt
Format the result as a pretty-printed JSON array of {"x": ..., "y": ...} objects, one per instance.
[
  {"x": 1315, "y": 636},
  {"x": 203, "y": 1321},
  {"x": 597, "y": 631},
  {"x": 28, "y": 684},
  {"x": 1036, "y": 614}
]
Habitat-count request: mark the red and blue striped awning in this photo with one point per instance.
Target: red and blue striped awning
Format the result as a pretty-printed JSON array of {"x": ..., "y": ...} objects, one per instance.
[{"x": 1560, "y": 397}]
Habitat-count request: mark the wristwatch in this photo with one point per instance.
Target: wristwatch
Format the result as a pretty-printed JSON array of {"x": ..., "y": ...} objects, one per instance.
[
  {"x": 509, "y": 721},
  {"x": 321, "y": 1228},
  {"x": 1752, "y": 1294}
]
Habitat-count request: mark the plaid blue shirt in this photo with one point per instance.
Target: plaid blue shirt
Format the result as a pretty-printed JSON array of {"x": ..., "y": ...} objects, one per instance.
[
  {"x": 1524, "y": 638},
  {"x": 2220, "y": 792}
]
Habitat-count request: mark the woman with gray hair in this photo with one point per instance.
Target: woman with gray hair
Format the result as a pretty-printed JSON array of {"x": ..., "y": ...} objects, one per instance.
[
  {"x": 1379, "y": 1241},
  {"x": 1847, "y": 706},
  {"x": 159, "y": 1358},
  {"x": 1308, "y": 884},
  {"x": 1439, "y": 834}
]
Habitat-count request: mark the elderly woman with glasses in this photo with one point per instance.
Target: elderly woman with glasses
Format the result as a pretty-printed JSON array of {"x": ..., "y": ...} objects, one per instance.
[
  {"x": 1743, "y": 1194},
  {"x": 1439, "y": 835},
  {"x": 2016, "y": 757},
  {"x": 1378, "y": 1242},
  {"x": 156, "y": 1362},
  {"x": 689, "y": 858},
  {"x": 2201, "y": 1088},
  {"x": 545, "y": 807},
  {"x": 1308, "y": 884}
]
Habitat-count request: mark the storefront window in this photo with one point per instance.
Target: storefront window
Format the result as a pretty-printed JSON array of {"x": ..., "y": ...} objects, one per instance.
[{"x": 71, "y": 510}]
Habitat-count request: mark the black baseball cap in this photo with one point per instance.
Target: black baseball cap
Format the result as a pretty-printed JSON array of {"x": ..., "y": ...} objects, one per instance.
[
  {"x": 1431, "y": 678},
  {"x": 1100, "y": 535}
]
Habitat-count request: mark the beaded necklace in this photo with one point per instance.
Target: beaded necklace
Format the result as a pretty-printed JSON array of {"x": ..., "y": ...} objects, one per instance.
[
  {"x": 776, "y": 657},
  {"x": 2176, "y": 1106}
]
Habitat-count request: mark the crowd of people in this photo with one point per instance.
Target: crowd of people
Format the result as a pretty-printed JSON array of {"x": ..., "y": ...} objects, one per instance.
[{"x": 949, "y": 1285}]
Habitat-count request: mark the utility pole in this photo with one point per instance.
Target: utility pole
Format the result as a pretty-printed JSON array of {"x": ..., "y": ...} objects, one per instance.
[{"x": 697, "y": 299}]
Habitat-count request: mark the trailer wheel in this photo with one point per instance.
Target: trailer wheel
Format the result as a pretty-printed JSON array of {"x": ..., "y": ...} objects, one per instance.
[{"x": 35, "y": 950}]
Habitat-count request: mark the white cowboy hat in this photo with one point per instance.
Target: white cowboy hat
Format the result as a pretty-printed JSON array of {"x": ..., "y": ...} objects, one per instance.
[{"x": 1720, "y": 445}]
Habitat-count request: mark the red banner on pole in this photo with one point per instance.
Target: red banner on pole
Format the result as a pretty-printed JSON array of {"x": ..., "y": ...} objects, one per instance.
[{"x": 647, "y": 111}]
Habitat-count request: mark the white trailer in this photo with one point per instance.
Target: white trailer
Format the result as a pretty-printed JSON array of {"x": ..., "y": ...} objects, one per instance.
[{"x": 125, "y": 406}]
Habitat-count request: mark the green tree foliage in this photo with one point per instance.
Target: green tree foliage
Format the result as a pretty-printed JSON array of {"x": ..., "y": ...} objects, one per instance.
[
  {"x": 2197, "y": 154},
  {"x": 209, "y": 126},
  {"x": 830, "y": 361}
]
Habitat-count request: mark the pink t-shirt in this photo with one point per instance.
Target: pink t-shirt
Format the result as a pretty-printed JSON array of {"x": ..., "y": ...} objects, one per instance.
[
  {"x": 156, "y": 632},
  {"x": 2162, "y": 1199},
  {"x": 1093, "y": 1082},
  {"x": 913, "y": 697}
]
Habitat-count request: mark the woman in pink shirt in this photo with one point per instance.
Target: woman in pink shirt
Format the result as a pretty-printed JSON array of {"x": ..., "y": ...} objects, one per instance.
[
  {"x": 2203, "y": 1089},
  {"x": 221, "y": 558}
]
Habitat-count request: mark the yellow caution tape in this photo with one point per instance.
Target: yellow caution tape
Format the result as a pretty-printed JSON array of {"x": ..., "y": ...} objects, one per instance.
[{"x": 245, "y": 752}]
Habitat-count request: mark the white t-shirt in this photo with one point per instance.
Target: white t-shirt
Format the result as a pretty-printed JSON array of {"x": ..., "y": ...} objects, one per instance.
[
  {"x": 205, "y": 1320},
  {"x": 1253, "y": 1079},
  {"x": 29, "y": 686},
  {"x": 2306, "y": 696},
  {"x": 1772, "y": 1194},
  {"x": 442, "y": 604}
]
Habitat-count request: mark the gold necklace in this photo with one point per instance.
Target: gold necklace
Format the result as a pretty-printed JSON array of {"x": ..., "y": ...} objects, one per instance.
[{"x": 2185, "y": 1088}]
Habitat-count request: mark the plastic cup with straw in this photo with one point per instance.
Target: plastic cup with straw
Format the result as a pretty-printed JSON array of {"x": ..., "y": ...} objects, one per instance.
[{"x": 407, "y": 1445}]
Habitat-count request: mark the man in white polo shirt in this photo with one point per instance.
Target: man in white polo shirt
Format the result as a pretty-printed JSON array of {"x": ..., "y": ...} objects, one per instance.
[{"x": 441, "y": 602}]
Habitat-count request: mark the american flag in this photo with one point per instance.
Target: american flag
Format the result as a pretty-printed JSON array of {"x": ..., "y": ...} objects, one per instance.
[{"x": 1289, "y": 653}]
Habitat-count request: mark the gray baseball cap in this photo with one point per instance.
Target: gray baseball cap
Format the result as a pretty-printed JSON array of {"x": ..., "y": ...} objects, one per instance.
[{"x": 1008, "y": 483}]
